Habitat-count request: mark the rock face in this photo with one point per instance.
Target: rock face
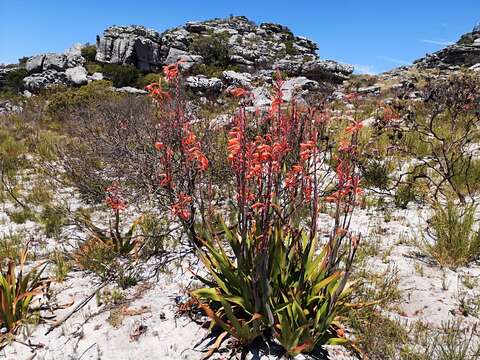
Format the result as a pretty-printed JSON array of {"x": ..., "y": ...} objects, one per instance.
[
  {"x": 466, "y": 52},
  {"x": 130, "y": 45},
  {"x": 236, "y": 42}
]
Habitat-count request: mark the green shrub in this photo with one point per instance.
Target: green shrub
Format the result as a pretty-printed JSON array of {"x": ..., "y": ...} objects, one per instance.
[
  {"x": 62, "y": 104},
  {"x": 404, "y": 195},
  {"x": 290, "y": 49},
  {"x": 14, "y": 80},
  {"x": 213, "y": 48},
  {"x": 121, "y": 75},
  {"x": 93, "y": 67},
  {"x": 454, "y": 341},
  {"x": 52, "y": 219},
  {"x": 89, "y": 52},
  {"x": 455, "y": 241},
  {"x": 376, "y": 175},
  {"x": 149, "y": 78}
]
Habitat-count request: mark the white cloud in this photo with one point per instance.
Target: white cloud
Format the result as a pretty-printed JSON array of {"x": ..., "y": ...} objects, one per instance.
[
  {"x": 438, "y": 42},
  {"x": 364, "y": 69},
  {"x": 393, "y": 60}
]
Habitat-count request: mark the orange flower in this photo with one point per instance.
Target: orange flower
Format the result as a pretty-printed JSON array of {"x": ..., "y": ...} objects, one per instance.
[
  {"x": 114, "y": 199},
  {"x": 171, "y": 71},
  {"x": 355, "y": 127},
  {"x": 239, "y": 92},
  {"x": 180, "y": 207},
  {"x": 159, "y": 146}
]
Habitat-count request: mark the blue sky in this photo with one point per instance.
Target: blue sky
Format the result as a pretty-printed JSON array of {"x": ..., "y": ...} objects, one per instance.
[{"x": 373, "y": 35}]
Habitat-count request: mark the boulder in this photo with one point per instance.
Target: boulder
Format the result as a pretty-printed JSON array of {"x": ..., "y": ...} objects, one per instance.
[
  {"x": 236, "y": 79},
  {"x": 326, "y": 70},
  {"x": 95, "y": 76},
  {"x": 374, "y": 89},
  {"x": 56, "y": 62},
  {"x": 195, "y": 27},
  {"x": 135, "y": 45},
  {"x": 187, "y": 61},
  {"x": 36, "y": 82},
  {"x": 261, "y": 97},
  {"x": 6, "y": 108},
  {"x": 297, "y": 87},
  {"x": 130, "y": 90},
  {"x": 77, "y": 75},
  {"x": 203, "y": 84},
  {"x": 290, "y": 66},
  {"x": 74, "y": 56},
  {"x": 35, "y": 63}
]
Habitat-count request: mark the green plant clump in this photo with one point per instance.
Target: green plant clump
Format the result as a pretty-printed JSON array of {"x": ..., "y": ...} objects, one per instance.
[{"x": 455, "y": 241}]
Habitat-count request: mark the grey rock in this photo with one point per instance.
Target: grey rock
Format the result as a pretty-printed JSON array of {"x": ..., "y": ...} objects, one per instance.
[
  {"x": 35, "y": 63},
  {"x": 54, "y": 62},
  {"x": 369, "y": 89},
  {"x": 187, "y": 61},
  {"x": 290, "y": 66},
  {"x": 6, "y": 108},
  {"x": 237, "y": 79},
  {"x": 178, "y": 38},
  {"x": 77, "y": 75},
  {"x": 195, "y": 27},
  {"x": 74, "y": 56},
  {"x": 466, "y": 52},
  {"x": 130, "y": 90},
  {"x": 201, "y": 83},
  {"x": 326, "y": 69},
  {"x": 261, "y": 97},
  {"x": 135, "y": 45},
  {"x": 476, "y": 28},
  {"x": 36, "y": 82},
  {"x": 95, "y": 76},
  {"x": 475, "y": 67},
  {"x": 297, "y": 87}
]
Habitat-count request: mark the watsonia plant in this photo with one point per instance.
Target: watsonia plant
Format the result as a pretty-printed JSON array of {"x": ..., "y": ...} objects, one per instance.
[
  {"x": 17, "y": 290},
  {"x": 271, "y": 280}
]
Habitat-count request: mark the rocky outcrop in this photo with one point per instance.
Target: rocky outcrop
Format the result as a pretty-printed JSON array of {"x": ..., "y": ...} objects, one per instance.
[
  {"x": 466, "y": 52},
  {"x": 48, "y": 78},
  {"x": 50, "y": 69},
  {"x": 244, "y": 45},
  {"x": 135, "y": 45},
  {"x": 247, "y": 53},
  {"x": 59, "y": 62}
]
